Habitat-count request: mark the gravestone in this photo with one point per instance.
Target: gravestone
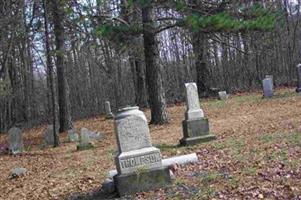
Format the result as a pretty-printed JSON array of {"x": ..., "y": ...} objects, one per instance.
[
  {"x": 267, "y": 84},
  {"x": 84, "y": 140},
  {"x": 72, "y": 135},
  {"x": 138, "y": 163},
  {"x": 298, "y": 89},
  {"x": 48, "y": 135},
  {"x": 222, "y": 95},
  {"x": 15, "y": 140},
  {"x": 109, "y": 114},
  {"x": 271, "y": 77},
  {"x": 195, "y": 126}
]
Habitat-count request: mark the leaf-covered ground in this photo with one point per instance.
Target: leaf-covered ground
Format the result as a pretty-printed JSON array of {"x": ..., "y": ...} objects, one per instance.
[{"x": 257, "y": 155}]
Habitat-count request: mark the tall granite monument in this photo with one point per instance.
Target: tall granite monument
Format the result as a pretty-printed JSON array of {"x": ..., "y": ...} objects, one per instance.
[
  {"x": 298, "y": 89},
  {"x": 195, "y": 125},
  {"x": 139, "y": 164}
]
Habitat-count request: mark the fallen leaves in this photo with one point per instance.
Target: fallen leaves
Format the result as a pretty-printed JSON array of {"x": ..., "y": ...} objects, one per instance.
[{"x": 257, "y": 155}]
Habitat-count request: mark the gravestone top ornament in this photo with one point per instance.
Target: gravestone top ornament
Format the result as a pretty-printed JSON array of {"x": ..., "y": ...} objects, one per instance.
[
  {"x": 298, "y": 89},
  {"x": 138, "y": 163},
  {"x": 195, "y": 126},
  {"x": 15, "y": 140},
  {"x": 194, "y": 110}
]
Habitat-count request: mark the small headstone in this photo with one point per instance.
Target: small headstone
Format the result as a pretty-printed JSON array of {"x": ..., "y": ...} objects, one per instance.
[
  {"x": 298, "y": 89},
  {"x": 267, "y": 84},
  {"x": 17, "y": 172},
  {"x": 222, "y": 95},
  {"x": 139, "y": 164},
  {"x": 72, "y": 135},
  {"x": 109, "y": 114},
  {"x": 15, "y": 140},
  {"x": 195, "y": 125},
  {"x": 48, "y": 135},
  {"x": 84, "y": 140}
]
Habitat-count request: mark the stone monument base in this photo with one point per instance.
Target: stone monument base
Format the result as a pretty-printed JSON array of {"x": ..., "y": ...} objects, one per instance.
[
  {"x": 110, "y": 116},
  {"x": 196, "y": 131},
  {"x": 82, "y": 147},
  {"x": 143, "y": 180},
  {"x": 197, "y": 140}
]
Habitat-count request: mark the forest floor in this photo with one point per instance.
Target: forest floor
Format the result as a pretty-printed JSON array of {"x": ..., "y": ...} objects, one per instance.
[{"x": 257, "y": 155}]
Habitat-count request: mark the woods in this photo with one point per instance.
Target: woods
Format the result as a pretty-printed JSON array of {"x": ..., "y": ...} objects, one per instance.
[{"x": 61, "y": 60}]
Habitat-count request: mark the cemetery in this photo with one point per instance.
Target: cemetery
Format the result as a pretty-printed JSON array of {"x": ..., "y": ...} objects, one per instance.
[
  {"x": 257, "y": 143},
  {"x": 150, "y": 100}
]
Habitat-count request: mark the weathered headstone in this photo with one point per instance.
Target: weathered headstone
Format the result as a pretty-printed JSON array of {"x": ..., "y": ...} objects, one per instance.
[
  {"x": 139, "y": 164},
  {"x": 48, "y": 135},
  {"x": 84, "y": 140},
  {"x": 267, "y": 84},
  {"x": 109, "y": 114},
  {"x": 298, "y": 89},
  {"x": 195, "y": 125},
  {"x": 15, "y": 140},
  {"x": 72, "y": 135},
  {"x": 222, "y": 95}
]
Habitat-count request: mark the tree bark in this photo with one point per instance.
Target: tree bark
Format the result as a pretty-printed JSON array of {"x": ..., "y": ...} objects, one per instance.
[
  {"x": 202, "y": 72},
  {"x": 50, "y": 74},
  {"x": 63, "y": 89},
  {"x": 154, "y": 82}
]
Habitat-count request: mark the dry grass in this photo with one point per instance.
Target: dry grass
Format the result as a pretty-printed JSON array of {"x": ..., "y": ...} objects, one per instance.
[{"x": 256, "y": 155}]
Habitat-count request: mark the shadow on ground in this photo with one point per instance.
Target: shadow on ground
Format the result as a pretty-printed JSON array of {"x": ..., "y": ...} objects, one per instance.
[{"x": 98, "y": 195}]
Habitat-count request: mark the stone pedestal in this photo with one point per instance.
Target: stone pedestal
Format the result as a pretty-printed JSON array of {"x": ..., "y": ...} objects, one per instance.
[
  {"x": 196, "y": 131},
  {"x": 138, "y": 163},
  {"x": 143, "y": 180},
  {"x": 195, "y": 126}
]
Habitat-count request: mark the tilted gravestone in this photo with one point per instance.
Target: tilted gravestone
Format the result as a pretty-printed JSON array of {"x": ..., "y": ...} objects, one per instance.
[
  {"x": 84, "y": 140},
  {"x": 195, "y": 125},
  {"x": 109, "y": 114},
  {"x": 267, "y": 84},
  {"x": 15, "y": 140},
  {"x": 139, "y": 164},
  {"x": 298, "y": 89},
  {"x": 48, "y": 135}
]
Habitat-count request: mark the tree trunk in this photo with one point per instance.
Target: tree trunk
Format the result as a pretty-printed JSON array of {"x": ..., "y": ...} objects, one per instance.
[
  {"x": 63, "y": 89},
  {"x": 202, "y": 72},
  {"x": 154, "y": 82},
  {"x": 50, "y": 74}
]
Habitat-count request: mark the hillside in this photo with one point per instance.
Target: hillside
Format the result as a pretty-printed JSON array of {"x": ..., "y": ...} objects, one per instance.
[{"x": 257, "y": 155}]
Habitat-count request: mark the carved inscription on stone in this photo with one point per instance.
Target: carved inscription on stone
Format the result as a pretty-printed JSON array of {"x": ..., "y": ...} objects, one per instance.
[
  {"x": 133, "y": 133},
  {"x": 140, "y": 160}
]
